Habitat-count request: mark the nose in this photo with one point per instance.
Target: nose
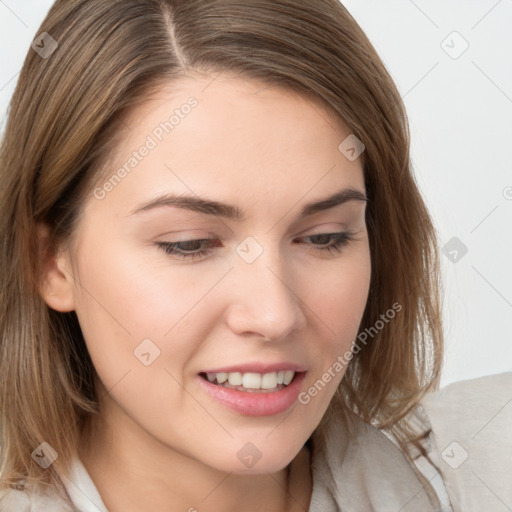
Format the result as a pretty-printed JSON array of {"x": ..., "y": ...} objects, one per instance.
[{"x": 264, "y": 301}]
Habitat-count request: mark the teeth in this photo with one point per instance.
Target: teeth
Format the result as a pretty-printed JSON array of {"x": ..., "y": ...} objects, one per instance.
[
  {"x": 288, "y": 376},
  {"x": 221, "y": 377},
  {"x": 251, "y": 380},
  {"x": 269, "y": 380},
  {"x": 235, "y": 378}
]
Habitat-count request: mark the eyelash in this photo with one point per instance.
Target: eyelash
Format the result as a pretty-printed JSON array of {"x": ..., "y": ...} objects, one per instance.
[{"x": 341, "y": 239}]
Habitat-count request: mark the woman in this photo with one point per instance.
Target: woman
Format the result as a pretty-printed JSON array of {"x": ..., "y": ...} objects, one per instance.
[{"x": 221, "y": 284}]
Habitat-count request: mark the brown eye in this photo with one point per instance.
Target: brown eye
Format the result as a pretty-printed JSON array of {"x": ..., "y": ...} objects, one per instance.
[
  {"x": 188, "y": 248},
  {"x": 340, "y": 240}
]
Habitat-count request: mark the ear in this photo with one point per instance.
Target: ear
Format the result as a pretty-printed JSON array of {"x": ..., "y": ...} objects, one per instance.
[{"x": 56, "y": 287}]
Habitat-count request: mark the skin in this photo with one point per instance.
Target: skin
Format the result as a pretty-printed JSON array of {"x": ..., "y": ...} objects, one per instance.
[{"x": 161, "y": 443}]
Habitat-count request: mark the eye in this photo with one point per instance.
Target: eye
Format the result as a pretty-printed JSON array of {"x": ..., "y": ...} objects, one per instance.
[
  {"x": 339, "y": 240},
  {"x": 190, "y": 249}
]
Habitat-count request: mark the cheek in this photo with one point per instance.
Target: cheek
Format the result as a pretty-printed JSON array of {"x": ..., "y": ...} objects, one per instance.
[
  {"x": 338, "y": 300},
  {"x": 125, "y": 301},
  {"x": 340, "y": 294},
  {"x": 138, "y": 288},
  {"x": 137, "y": 295}
]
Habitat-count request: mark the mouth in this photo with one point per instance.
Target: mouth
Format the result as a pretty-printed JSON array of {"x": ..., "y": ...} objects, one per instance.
[
  {"x": 251, "y": 393},
  {"x": 252, "y": 382}
]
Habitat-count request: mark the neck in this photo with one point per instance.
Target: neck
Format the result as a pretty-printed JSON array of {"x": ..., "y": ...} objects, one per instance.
[{"x": 133, "y": 471}]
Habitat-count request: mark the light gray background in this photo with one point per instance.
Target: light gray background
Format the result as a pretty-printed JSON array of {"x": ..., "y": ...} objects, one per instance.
[{"x": 460, "y": 112}]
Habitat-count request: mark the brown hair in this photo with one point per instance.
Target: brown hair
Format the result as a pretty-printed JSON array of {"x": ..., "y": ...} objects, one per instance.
[{"x": 62, "y": 118}]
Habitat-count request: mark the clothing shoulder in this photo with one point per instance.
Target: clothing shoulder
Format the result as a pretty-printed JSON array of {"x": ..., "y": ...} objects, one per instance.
[
  {"x": 471, "y": 441},
  {"x": 363, "y": 471},
  {"x": 22, "y": 500},
  {"x": 82, "y": 495}
]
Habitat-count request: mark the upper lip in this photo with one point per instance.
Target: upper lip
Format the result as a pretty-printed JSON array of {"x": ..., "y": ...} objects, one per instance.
[{"x": 258, "y": 367}]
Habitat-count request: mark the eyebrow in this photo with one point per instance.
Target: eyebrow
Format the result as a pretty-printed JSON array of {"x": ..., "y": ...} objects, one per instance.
[{"x": 210, "y": 207}]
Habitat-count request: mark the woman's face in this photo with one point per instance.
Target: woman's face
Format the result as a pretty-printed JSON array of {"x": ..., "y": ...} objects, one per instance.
[{"x": 267, "y": 291}]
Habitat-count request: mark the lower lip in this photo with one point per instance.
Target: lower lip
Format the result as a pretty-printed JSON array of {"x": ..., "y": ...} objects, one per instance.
[{"x": 256, "y": 404}]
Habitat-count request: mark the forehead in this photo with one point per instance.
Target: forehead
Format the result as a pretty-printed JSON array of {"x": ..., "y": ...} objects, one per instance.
[
  {"x": 224, "y": 89},
  {"x": 234, "y": 112},
  {"x": 230, "y": 137}
]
